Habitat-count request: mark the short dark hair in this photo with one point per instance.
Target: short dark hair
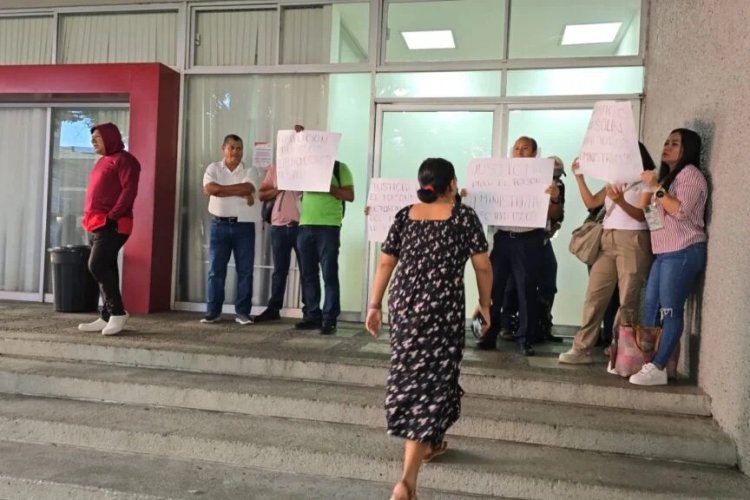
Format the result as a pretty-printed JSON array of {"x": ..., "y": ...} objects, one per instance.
[
  {"x": 690, "y": 155},
  {"x": 435, "y": 176},
  {"x": 232, "y": 137}
]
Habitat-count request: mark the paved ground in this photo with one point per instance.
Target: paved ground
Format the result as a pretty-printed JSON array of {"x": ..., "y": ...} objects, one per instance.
[{"x": 351, "y": 341}]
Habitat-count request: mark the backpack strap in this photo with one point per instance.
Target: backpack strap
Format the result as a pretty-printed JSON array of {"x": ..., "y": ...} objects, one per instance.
[{"x": 337, "y": 176}]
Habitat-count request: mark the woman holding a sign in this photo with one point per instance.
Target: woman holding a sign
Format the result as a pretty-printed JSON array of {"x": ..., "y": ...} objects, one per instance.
[
  {"x": 675, "y": 205},
  {"x": 623, "y": 261},
  {"x": 431, "y": 242}
]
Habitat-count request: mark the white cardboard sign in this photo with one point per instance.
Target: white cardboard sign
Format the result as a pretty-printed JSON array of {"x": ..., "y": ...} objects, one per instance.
[
  {"x": 304, "y": 160},
  {"x": 510, "y": 191},
  {"x": 385, "y": 199},
  {"x": 610, "y": 149}
]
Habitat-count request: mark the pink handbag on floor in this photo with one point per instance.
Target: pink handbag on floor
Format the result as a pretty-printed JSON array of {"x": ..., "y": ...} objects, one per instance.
[{"x": 634, "y": 347}]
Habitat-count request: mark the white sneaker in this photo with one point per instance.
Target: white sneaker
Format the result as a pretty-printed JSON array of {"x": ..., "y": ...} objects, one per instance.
[
  {"x": 94, "y": 326},
  {"x": 575, "y": 357},
  {"x": 649, "y": 375},
  {"x": 611, "y": 369},
  {"x": 243, "y": 319},
  {"x": 115, "y": 324}
]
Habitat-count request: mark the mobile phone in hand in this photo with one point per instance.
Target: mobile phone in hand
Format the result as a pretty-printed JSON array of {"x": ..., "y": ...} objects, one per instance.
[{"x": 477, "y": 325}]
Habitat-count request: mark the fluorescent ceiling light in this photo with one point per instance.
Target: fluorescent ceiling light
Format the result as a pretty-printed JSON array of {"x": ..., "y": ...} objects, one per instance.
[
  {"x": 577, "y": 34},
  {"x": 419, "y": 40}
]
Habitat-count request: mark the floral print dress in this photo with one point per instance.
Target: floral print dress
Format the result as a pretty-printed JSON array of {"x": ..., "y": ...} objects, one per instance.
[{"x": 427, "y": 321}]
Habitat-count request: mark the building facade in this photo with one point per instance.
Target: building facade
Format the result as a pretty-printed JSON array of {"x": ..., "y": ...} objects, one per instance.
[{"x": 502, "y": 68}]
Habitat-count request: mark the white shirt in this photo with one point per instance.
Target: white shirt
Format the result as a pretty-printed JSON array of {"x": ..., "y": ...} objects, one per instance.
[
  {"x": 617, "y": 218},
  {"x": 233, "y": 206}
]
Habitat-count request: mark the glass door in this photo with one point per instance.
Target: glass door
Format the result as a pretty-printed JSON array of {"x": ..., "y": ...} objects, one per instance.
[
  {"x": 407, "y": 134},
  {"x": 72, "y": 158},
  {"x": 559, "y": 131}
]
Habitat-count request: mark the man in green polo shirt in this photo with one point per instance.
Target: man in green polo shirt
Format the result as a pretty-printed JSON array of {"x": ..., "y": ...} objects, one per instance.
[{"x": 318, "y": 243}]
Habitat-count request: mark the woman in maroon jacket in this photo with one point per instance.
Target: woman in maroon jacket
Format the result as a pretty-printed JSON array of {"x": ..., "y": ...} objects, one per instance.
[{"x": 108, "y": 217}]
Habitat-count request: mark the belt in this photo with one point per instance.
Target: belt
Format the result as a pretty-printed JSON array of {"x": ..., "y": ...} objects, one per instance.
[
  {"x": 231, "y": 220},
  {"x": 525, "y": 234}
]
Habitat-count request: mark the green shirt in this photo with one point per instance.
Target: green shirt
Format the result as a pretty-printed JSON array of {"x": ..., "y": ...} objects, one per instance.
[{"x": 324, "y": 209}]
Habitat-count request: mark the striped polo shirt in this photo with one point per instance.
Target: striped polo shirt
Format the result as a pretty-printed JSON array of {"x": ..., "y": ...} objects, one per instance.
[{"x": 687, "y": 226}]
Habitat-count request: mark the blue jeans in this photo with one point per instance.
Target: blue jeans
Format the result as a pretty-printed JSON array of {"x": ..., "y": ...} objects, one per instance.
[
  {"x": 319, "y": 249},
  {"x": 670, "y": 281},
  {"x": 229, "y": 238},
  {"x": 283, "y": 241}
]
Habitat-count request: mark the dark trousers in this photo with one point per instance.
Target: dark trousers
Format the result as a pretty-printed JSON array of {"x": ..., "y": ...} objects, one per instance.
[
  {"x": 516, "y": 255},
  {"x": 106, "y": 243},
  {"x": 545, "y": 295},
  {"x": 283, "y": 242},
  {"x": 319, "y": 251}
]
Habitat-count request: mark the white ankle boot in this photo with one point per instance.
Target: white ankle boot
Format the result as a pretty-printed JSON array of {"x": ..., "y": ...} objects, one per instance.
[
  {"x": 115, "y": 324},
  {"x": 94, "y": 326}
]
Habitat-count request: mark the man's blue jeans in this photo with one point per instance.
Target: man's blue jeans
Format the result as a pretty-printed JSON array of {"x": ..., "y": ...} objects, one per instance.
[
  {"x": 283, "y": 241},
  {"x": 229, "y": 238},
  {"x": 319, "y": 249},
  {"x": 670, "y": 281}
]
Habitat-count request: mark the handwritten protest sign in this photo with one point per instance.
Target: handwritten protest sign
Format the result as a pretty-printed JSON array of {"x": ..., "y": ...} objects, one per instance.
[
  {"x": 610, "y": 149},
  {"x": 386, "y": 197},
  {"x": 510, "y": 191},
  {"x": 304, "y": 160},
  {"x": 262, "y": 155}
]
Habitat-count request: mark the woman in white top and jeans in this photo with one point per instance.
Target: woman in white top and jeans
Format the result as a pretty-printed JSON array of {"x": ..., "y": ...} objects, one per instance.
[{"x": 624, "y": 261}]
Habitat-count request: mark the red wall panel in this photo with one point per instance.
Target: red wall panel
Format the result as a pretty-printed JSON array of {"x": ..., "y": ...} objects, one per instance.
[{"x": 153, "y": 92}]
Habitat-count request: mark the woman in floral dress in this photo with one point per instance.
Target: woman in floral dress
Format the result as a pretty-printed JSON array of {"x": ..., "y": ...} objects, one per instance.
[{"x": 431, "y": 241}]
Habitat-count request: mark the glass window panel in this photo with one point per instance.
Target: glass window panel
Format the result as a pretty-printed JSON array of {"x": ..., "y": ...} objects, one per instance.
[
  {"x": 256, "y": 107},
  {"x": 575, "y": 81},
  {"x": 73, "y": 157},
  {"x": 26, "y": 40},
  {"x": 136, "y": 37},
  {"x": 545, "y": 125},
  {"x": 349, "y": 113},
  {"x": 537, "y": 27},
  {"x": 235, "y": 37},
  {"x": 325, "y": 34},
  {"x": 439, "y": 84},
  {"x": 23, "y": 145},
  {"x": 476, "y": 27},
  {"x": 253, "y": 107}
]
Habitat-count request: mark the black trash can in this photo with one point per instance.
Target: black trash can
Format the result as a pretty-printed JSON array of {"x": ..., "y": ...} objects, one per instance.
[{"x": 74, "y": 289}]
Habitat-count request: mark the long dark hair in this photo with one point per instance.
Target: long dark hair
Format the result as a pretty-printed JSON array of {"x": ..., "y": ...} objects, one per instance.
[
  {"x": 646, "y": 160},
  {"x": 435, "y": 177},
  {"x": 690, "y": 155}
]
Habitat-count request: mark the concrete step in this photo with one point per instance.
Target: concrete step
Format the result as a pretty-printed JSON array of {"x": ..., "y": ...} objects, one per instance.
[
  {"x": 472, "y": 466},
  {"x": 662, "y": 436},
  {"x": 352, "y": 360},
  {"x": 53, "y": 472}
]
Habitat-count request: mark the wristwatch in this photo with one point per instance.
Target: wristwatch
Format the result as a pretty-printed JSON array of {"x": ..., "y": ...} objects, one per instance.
[{"x": 660, "y": 192}]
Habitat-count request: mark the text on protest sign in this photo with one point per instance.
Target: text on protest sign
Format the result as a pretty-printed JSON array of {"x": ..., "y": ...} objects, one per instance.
[
  {"x": 385, "y": 199},
  {"x": 510, "y": 191},
  {"x": 610, "y": 148},
  {"x": 262, "y": 155},
  {"x": 304, "y": 160}
]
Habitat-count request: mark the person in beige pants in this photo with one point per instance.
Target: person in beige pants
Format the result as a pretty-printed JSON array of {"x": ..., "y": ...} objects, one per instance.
[{"x": 624, "y": 261}]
